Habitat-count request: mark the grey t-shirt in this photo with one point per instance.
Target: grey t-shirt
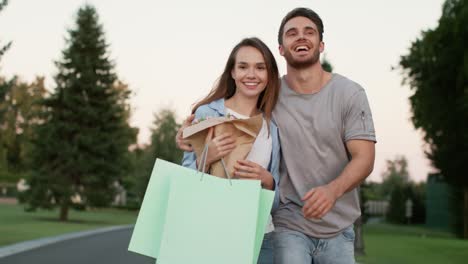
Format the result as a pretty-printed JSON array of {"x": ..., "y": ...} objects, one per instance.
[{"x": 313, "y": 130}]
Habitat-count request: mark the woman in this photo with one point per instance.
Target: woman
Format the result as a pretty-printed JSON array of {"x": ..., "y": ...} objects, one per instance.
[{"x": 249, "y": 85}]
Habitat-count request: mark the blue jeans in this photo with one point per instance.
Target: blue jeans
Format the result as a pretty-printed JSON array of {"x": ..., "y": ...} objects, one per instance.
[
  {"x": 293, "y": 247},
  {"x": 266, "y": 251}
]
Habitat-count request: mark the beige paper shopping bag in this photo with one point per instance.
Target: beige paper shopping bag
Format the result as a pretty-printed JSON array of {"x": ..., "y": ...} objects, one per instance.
[{"x": 245, "y": 132}]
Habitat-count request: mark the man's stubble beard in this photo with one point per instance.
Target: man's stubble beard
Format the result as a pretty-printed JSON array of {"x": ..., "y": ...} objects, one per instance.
[{"x": 301, "y": 64}]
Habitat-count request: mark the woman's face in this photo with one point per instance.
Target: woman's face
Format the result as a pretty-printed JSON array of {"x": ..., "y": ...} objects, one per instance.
[{"x": 249, "y": 72}]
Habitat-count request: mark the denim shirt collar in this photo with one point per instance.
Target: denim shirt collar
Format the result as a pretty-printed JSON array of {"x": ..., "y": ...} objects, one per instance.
[{"x": 218, "y": 106}]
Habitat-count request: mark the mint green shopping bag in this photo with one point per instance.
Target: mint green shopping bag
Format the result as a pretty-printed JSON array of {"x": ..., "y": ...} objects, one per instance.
[
  {"x": 146, "y": 237},
  {"x": 185, "y": 217},
  {"x": 210, "y": 220}
]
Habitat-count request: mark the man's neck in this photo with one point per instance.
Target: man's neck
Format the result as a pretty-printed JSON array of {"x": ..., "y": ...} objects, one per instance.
[{"x": 307, "y": 80}]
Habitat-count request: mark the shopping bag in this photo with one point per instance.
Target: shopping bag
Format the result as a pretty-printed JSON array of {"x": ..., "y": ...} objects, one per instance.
[
  {"x": 210, "y": 221},
  {"x": 147, "y": 233},
  {"x": 186, "y": 217},
  {"x": 244, "y": 132}
]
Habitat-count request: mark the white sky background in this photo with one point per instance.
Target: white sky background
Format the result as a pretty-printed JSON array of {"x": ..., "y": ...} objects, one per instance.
[{"x": 171, "y": 52}]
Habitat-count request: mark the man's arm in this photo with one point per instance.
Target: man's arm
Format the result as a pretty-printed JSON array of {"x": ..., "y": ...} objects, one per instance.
[
  {"x": 318, "y": 201},
  {"x": 181, "y": 143}
]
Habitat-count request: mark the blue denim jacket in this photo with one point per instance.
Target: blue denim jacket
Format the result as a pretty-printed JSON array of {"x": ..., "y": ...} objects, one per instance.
[{"x": 216, "y": 109}]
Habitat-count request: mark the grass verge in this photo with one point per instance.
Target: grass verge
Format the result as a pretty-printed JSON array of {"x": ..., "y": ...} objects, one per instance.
[
  {"x": 16, "y": 225},
  {"x": 385, "y": 244}
]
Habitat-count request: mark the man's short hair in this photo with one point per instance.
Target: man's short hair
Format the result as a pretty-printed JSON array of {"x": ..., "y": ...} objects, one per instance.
[{"x": 301, "y": 12}]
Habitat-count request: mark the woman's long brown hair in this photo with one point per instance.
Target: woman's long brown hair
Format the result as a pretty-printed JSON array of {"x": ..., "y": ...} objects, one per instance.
[{"x": 226, "y": 86}]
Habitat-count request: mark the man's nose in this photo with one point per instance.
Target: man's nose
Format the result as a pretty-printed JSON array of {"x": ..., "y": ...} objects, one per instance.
[{"x": 301, "y": 35}]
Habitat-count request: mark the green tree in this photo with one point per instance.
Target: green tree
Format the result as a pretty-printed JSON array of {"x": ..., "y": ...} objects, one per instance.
[
  {"x": 396, "y": 208},
  {"x": 21, "y": 111},
  {"x": 163, "y": 146},
  {"x": 393, "y": 187},
  {"x": 397, "y": 187},
  {"x": 81, "y": 148},
  {"x": 395, "y": 175},
  {"x": 326, "y": 65},
  {"x": 436, "y": 68},
  {"x": 4, "y": 84},
  {"x": 164, "y": 130}
]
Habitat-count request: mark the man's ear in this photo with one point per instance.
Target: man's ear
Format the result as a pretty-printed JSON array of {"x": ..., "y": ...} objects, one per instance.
[
  {"x": 321, "y": 46},
  {"x": 281, "y": 50}
]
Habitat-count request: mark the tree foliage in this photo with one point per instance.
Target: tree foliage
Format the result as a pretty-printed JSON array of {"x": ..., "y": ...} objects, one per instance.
[
  {"x": 436, "y": 68},
  {"x": 164, "y": 131},
  {"x": 81, "y": 148},
  {"x": 162, "y": 146},
  {"x": 395, "y": 175},
  {"x": 326, "y": 65},
  {"x": 21, "y": 112},
  {"x": 4, "y": 84},
  {"x": 397, "y": 188}
]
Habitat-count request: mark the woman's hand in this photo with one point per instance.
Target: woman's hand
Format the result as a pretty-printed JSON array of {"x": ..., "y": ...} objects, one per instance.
[
  {"x": 245, "y": 169},
  {"x": 218, "y": 146}
]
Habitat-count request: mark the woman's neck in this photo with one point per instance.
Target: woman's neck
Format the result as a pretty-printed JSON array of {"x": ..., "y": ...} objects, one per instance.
[{"x": 242, "y": 105}]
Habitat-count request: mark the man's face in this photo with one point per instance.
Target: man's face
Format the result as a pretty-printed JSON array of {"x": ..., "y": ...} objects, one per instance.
[{"x": 301, "y": 43}]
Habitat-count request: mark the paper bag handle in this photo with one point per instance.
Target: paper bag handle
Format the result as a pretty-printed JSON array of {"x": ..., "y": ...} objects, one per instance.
[{"x": 204, "y": 156}]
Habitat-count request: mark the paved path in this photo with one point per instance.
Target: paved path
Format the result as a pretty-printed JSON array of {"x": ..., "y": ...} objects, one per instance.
[{"x": 109, "y": 247}]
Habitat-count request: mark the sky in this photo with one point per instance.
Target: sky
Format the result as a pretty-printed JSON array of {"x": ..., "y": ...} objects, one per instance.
[{"x": 170, "y": 53}]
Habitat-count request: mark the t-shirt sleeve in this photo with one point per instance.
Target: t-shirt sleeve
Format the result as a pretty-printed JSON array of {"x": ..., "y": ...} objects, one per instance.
[{"x": 358, "y": 123}]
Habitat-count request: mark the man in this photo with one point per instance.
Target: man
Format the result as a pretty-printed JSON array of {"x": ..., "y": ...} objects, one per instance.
[{"x": 327, "y": 140}]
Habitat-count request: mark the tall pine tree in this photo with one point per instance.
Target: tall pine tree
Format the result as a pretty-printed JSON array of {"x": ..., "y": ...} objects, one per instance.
[{"x": 82, "y": 147}]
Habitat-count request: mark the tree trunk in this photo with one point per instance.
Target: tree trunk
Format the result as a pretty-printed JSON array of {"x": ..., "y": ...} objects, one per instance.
[
  {"x": 64, "y": 211},
  {"x": 465, "y": 213},
  {"x": 359, "y": 239}
]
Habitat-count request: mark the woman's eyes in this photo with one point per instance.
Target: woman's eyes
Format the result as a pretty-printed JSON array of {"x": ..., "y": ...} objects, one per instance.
[{"x": 244, "y": 67}]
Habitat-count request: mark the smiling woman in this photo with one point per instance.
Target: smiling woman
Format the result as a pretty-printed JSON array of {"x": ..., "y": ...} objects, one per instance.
[
  {"x": 250, "y": 75},
  {"x": 249, "y": 85}
]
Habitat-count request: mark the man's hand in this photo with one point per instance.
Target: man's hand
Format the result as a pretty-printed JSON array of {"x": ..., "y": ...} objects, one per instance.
[
  {"x": 318, "y": 201},
  {"x": 245, "y": 169},
  {"x": 181, "y": 143}
]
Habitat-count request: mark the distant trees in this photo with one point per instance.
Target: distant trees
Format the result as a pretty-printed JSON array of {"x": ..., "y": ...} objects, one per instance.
[
  {"x": 162, "y": 146},
  {"x": 396, "y": 188},
  {"x": 436, "y": 69},
  {"x": 395, "y": 175},
  {"x": 74, "y": 144},
  {"x": 21, "y": 112}
]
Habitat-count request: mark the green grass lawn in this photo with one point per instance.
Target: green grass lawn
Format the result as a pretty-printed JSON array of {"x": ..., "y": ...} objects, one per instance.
[
  {"x": 385, "y": 244},
  {"x": 16, "y": 225}
]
